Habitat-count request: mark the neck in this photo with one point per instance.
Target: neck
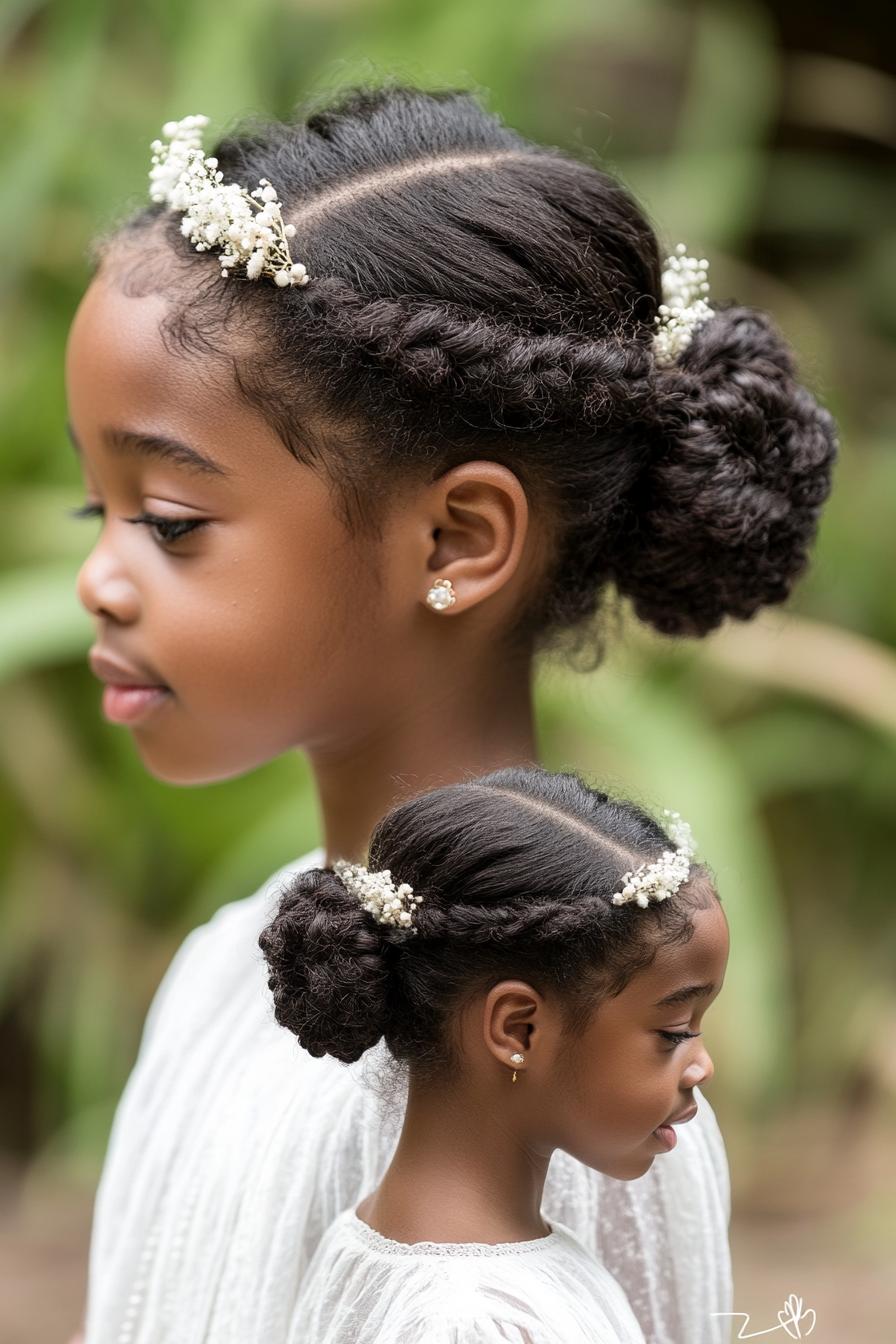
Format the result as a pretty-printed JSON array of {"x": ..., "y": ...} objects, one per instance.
[
  {"x": 448, "y": 1180},
  {"x": 454, "y": 727},
  {"x": 459, "y": 1172}
]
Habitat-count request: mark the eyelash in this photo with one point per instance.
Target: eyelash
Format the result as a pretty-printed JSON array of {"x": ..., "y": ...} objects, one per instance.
[
  {"x": 172, "y": 529},
  {"x": 679, "y": 1036}
]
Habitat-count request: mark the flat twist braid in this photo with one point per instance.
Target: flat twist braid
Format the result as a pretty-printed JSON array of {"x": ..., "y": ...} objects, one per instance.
[{"x": 557, "y": 378}]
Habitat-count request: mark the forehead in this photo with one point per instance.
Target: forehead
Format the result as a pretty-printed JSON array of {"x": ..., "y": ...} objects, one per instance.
[
  {"x": 116, "y": 354},
  {"x": 120, "y": 374},
  {"x": 700, "y": 961}
]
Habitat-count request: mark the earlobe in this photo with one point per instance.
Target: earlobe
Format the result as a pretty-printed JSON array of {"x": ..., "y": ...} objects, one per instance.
[
  {"x": 479, "y": 531},
  {"x": 510, "y": 1022},
  {"x": 441, "y": 595}
]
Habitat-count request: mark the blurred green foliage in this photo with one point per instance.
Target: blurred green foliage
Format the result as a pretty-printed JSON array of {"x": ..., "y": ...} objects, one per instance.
[{"x": 784, "y": 759}]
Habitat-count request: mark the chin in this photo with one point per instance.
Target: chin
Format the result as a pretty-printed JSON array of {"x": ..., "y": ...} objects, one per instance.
[
  {"x": 638, "y": 1168},
  {"x": 180, "y": 779},
  {"x": 187, "y": 772},
  {"x": 631, "y": 1168}
]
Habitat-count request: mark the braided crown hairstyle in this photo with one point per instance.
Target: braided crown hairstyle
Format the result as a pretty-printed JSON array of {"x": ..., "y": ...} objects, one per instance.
[
  {"x": 474, "y": 294},
  {"x": 516, "y": 869}
]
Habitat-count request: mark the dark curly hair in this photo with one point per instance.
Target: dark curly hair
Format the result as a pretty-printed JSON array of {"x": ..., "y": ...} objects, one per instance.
[
  {"x": 474, "y": 294},
  {"x": 516, "y": 869}
]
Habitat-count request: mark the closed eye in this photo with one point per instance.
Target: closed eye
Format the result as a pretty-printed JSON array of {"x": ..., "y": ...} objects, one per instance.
[
  {"x": 170, "y": 530},
  {"x": 678, "y": 1036}
]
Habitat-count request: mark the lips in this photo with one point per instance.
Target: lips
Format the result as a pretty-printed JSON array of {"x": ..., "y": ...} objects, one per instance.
[
  {"x": 116, "y": 672},
  {"x": 666, "y": 1134},
  {"x": 682, "y": 1118}
]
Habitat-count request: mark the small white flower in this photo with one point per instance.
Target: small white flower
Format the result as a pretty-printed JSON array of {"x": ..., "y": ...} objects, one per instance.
[
  {"x": 684, "y": 307},
  {"x": 377, "y": 892},
  {"x": 221, "y": 214},
  {"x": 662, "y": 878}
]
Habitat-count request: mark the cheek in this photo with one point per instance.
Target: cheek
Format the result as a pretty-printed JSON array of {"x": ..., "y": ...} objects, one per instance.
[
  {"x": 620, "y": 1089},
  {"x": 261, "y": 613},
  {"x": 256, "y": 659},
  {"x": 279, "y": 631}
]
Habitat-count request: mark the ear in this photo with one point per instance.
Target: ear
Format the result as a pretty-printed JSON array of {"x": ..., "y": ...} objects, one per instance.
[
  {"x": 478, "y": 521},
  {"x": 510, "y": 1020}
]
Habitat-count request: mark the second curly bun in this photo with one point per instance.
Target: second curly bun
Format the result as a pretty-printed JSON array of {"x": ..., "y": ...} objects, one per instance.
[
  {"x": 722, "y": 519},
  {"x": 328, "y": 968}
]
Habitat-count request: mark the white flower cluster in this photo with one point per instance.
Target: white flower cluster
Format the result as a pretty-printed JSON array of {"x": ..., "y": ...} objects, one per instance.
[
  {"x": 683, "y": 307},
  {"x": 661, "y": 879},
  {"x": 218, "y": 214},
  {"x": 378, "y": 894}
]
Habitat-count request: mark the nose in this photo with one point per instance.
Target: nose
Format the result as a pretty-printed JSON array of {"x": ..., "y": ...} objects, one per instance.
[
  {"x": 103, "y": 589},
  {"x": 699, "y": 1070},
  {"x": 709, "y": 1068}
]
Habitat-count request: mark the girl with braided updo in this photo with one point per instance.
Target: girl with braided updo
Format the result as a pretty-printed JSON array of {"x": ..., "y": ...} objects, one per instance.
[
  {"x": 344, "y": 516},
  {"x": 520, "y": 947}
]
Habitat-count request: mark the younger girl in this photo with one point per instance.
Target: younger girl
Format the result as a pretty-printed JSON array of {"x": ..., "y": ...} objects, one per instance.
[{"x": 540, "y": 956}]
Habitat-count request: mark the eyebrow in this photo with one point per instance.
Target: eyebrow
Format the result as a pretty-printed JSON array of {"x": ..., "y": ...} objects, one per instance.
[
  {"x": 156, "y": 445},
  {"x": 685, "y": 994}
]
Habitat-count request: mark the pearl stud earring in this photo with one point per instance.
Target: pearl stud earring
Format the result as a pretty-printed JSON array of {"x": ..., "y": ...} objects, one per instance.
[
  {"x": 516, "y": 1058},
  {"x": 441, "y": 595}
]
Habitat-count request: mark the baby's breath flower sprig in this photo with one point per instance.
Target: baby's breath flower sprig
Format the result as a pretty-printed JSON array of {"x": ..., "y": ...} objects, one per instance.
[
  {"x": 378, "y": 894},
  {"x": 684, "y": 283},
  {"x": 660, "y": 880},
  {"x": 219, "y": 214}
]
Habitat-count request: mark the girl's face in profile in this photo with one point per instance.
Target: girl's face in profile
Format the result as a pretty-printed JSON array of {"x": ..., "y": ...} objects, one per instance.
[
  {"x": 261, "y": 617},
  {"x": 636, "y": 1064}
]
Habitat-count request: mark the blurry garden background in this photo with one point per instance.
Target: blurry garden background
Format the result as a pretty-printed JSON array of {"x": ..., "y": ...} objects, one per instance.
[{"x": 763, "y": 136}]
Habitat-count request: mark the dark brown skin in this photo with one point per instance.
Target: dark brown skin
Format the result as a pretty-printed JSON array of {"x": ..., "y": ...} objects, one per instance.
[
  {"x": 269, "y": 624},
  {"x": 473, "y": 1154},
  {"x": 276, "y": 630}
]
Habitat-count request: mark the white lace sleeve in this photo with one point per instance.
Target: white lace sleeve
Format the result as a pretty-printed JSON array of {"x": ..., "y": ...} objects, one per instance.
[
  {"x": 200, "y": 968},
  {"x": 112, "y": 1188}
]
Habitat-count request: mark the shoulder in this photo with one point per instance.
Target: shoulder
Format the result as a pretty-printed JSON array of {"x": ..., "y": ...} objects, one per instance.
[
  {"x": 561, "y": 1293},
  {"x": 550, "y": 1291},
  {"x": 219, "y": 954},
  {"x": 235, "y": 920}
]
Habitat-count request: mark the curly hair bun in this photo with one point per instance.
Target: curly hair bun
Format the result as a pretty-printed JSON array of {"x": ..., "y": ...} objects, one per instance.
[
  {"x": 328, "y": 968},
  {"x": 722, "y": 518}
]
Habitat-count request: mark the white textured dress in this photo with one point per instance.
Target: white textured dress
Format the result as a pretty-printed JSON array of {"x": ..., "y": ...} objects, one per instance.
[
  {"x": 363, "y": 1288},
  {"x": 232, "y": 1150}
]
